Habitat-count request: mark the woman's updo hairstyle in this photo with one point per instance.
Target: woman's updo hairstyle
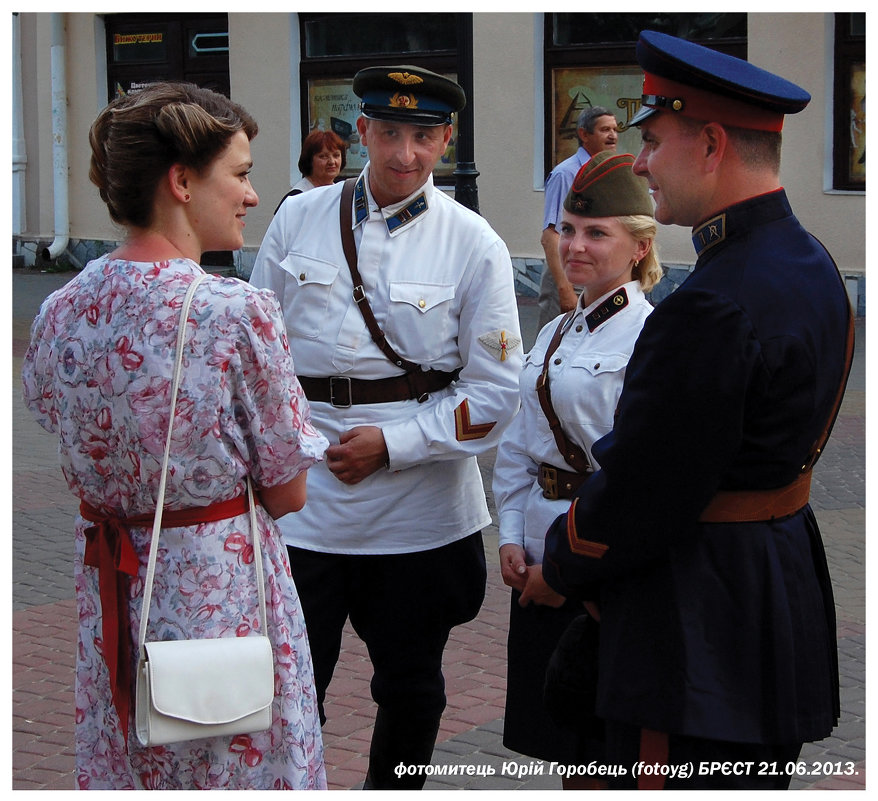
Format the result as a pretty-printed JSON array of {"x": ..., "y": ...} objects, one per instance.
[{"x": 136, "y": 138}]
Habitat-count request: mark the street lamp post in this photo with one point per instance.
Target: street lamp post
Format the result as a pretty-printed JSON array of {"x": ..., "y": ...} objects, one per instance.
[{"x": 465, "y": 174}]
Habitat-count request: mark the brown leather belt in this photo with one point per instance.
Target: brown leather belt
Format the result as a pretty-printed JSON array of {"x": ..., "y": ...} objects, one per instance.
[
  {"x": 343, "y": 392},
  {"x": 752, "y": 506},
  {"x": 557, "y": 483}
]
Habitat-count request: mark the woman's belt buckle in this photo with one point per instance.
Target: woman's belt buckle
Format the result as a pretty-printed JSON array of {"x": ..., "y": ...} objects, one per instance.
[
  {"x": 548, "y": 480},
  {"x": 557, "y": 483}
]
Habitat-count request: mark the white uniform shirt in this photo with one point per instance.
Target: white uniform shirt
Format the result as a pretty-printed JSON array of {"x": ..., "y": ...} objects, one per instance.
[
  {"x": 440, "y": 283},
  {"x": 585, "y": 377}
]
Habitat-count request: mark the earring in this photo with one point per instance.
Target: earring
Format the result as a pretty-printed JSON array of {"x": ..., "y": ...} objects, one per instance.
[
  {"x": 187, "y": 197},
  {"x": 636, "y": 264}
]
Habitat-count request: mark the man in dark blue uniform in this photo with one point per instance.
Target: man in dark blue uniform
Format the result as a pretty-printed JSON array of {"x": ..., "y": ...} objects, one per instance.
[{"x": 695, "y": 540}]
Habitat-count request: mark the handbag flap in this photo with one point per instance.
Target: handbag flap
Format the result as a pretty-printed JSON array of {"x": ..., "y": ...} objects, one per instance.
[{"x": 213, "y": 680}]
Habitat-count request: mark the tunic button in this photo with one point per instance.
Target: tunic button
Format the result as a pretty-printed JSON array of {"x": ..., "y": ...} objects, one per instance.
[
  {"x": 579, "y": 329},
  {"x": 422, "y": 303},
  {"x": 597, "y": 366},
  {"x": 557, "y": 361},
  {"x": 301, "y": 276}
]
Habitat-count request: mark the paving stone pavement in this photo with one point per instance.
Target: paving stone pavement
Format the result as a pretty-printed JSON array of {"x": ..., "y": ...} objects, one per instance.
[{"x": 470, "y": 741}]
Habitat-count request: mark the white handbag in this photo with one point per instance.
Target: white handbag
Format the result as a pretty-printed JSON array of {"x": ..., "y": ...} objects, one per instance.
[{"x": 190, "y": 689}]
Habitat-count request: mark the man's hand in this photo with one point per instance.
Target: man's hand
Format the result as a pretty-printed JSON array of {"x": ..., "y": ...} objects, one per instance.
[
  {"x": 359, "y": 453},
  {"x": 538, "y": 592}
]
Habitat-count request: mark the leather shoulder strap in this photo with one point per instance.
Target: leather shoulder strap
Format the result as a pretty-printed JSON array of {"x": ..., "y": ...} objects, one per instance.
[
  {"x": 350, "y": 252},
  {"x": 575, "y": 456}
]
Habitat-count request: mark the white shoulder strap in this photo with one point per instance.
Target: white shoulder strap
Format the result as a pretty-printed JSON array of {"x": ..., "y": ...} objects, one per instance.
[{"x": 160, "y": 501}]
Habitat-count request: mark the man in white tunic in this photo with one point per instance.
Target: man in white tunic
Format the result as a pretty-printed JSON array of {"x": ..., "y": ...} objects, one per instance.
[{"x": 391, "y": 534}]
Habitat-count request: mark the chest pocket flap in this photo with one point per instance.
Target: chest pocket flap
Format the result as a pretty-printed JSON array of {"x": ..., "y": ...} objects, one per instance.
[
  {"x": 307, "y": 291},
  {"x": 422, "y": 297},
  {"x": 597, "y": 363},
  {"x": 308, "y": 270}
]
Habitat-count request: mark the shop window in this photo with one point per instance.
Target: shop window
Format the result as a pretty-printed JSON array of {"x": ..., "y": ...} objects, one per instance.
[
  {"x": 849, "y": 120},
  {"x": 590, "y": 61},
  {"x": 368, "y": 34},
  {"x": 335, "y": 46},
  {"x": 147, "y": 48}
]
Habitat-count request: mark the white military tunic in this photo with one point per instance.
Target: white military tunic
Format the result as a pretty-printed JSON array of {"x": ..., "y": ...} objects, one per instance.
[
  {"x": 585, "y": 377},
  {"x": 440, "y": 283}
]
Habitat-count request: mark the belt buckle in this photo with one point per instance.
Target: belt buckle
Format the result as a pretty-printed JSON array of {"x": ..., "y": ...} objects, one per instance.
[
  {"x": 550, "y": 482},
  {"x": 333, "y": 379}
]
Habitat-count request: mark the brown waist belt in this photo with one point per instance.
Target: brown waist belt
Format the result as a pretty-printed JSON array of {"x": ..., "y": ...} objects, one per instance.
[
  {"x": 343, "y": 392},
  {"x": 751, "y": 506},
  {"x": 557, "y": 483}
]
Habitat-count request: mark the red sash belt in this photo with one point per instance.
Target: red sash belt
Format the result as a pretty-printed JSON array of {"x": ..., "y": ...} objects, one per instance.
[{"x": 108, "y": 547}]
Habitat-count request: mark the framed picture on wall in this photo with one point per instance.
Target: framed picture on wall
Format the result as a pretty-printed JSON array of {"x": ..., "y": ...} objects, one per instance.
[
  {"x": 574, "y": 89},
  {"x": 856, "y": 167},
  {"x": 849, "y": 104}
]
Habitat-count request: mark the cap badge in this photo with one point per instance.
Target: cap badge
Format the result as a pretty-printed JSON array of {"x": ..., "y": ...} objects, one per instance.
[
  {"x": 403, "y": 101},
  {"x": 405, "y": 78}
]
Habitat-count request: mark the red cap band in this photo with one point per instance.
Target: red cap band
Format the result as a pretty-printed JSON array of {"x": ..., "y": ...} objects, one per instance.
[{"x": 678, "y": 98}]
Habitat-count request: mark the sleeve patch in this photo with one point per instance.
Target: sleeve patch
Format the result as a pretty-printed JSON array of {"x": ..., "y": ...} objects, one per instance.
[
  {"x": 500, "y": 343},
  {"x": 465, "y": 430}
]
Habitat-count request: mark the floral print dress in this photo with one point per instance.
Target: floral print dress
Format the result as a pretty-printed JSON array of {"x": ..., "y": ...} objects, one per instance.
[{"x": 98, "y": 374}]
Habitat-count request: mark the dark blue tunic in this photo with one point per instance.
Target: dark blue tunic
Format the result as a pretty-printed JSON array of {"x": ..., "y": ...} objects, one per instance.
[{"x": 723, "y": 630}]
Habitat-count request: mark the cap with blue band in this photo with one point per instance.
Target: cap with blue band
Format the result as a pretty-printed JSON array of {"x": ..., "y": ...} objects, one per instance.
[{"x": 408, "y": 94}]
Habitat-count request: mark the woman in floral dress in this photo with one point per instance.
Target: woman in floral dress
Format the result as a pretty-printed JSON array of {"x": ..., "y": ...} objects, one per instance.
[{"x": 172, "y": 164}]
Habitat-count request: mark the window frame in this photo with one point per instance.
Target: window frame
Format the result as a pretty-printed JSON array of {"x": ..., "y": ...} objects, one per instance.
[
  {"x": 607, "y": 55},
  {"x": 343, "y": 68},
  {"x": 849, "y": 52},
  {"x": 210, "y": 71}
]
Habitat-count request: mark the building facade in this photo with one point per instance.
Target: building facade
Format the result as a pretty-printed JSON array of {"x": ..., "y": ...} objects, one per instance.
[{"x": 527, "y": 75}]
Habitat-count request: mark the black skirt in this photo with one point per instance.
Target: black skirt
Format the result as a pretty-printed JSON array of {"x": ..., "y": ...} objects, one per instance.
[{"x": 534, "y": 632}]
